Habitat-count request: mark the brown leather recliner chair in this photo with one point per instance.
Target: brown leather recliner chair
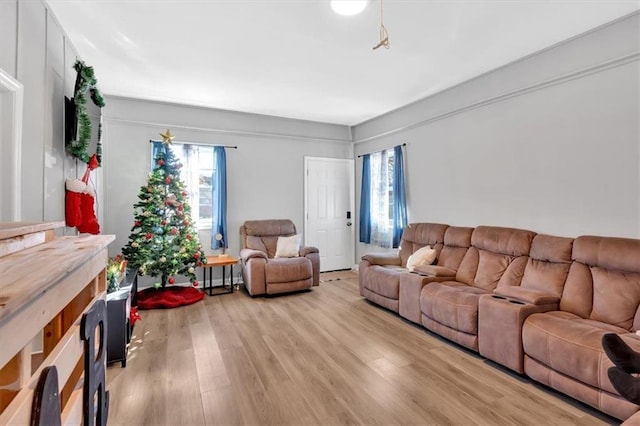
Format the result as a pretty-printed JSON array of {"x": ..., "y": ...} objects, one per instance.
[{"x": 263, "y": 273}]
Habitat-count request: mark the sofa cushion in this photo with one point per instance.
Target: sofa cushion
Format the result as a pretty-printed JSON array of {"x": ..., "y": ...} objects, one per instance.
[
  {"x": 453, "y": 304},
  {"x": 550, "y": 248},
  {"x": 493, "y": 250},
  {"x": 509, "y": 241},
  {"x": 418, "y": 235},
  {"x": 620, "y": 254},
  {"x": 570, "y": 345},
  {"x": 272, "y": 227},
  {"x": 423, "y": 256},
  {"x": 263, "y": 234},
  {"x": 383, "y": 280},
  {"x": 491, "y": 267},
  {"x": 457, "y": 241},
  {"x": 616, "y": 296},
  {"x": 288, "y": 246},
  {"x": 604, "y": 281},
  {"x": 255, "y": 243},
  {"x": 548, "y": 264},
  {"x": 284, "y": 270}
]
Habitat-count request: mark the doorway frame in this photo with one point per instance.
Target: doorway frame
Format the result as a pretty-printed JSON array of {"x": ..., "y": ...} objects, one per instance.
[{"x": 352, "y": 187}]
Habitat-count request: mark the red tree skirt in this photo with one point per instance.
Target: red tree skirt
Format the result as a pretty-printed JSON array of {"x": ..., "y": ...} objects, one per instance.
[{"x": 169, "y": 297}]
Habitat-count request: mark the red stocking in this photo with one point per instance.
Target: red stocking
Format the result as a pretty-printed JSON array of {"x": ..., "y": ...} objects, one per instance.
[
  {"x": 89, "y": 222},
  {"x": 73, "y": 193}
]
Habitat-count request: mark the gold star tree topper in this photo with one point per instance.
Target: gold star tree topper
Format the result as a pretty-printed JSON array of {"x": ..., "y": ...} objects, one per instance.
[{"x": 167, "y": 137}]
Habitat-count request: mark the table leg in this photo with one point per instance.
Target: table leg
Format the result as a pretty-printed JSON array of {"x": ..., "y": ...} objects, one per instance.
[{"x": 223, "y": 280}]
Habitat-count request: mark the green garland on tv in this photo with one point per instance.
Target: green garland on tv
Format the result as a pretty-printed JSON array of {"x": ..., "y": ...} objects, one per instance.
[{"x": 85, "y": 82}]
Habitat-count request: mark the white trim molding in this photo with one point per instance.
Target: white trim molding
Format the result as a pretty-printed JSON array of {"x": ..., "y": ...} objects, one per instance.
[
  {"x": 226, "y": 132},
  {"x": 617, "y": 62},
  {"x": 12, "y": 98}
]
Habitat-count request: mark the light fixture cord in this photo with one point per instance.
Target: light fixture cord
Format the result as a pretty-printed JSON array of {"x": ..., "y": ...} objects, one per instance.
[{"x": 384, "y": 36}]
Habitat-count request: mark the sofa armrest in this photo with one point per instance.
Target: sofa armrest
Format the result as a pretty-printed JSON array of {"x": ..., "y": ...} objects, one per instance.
[
  {"x": 246, "y": 254},
  {"x": 313, "y": 254},
  {"x": 501, "y": 317},
  {"x": 382, "y": 259},
  {"x": 434, "y": 271},
  {"x": 534, "y": 297},
  {"x": 633, "y": 420},
  {"x": 254, "y": 264},
  {"x": 308, "y": 250}
]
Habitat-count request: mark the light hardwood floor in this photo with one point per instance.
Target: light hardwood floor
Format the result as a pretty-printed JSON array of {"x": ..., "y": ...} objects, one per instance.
[{"x": 316, "y": 358}]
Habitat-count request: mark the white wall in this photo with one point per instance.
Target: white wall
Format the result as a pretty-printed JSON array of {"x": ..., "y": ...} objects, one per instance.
[
  {"x": 549, "y": 143},
  {"x": 35, "y": 51},
  {"x": 264, "y": 175}
]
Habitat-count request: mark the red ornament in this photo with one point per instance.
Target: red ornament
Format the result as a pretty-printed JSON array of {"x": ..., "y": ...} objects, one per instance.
[
  {"x": 184, "y": 193},
  {"x": 196, "y": 255},
  {"x": 188, "y": 237},
  {"x": 161, "y": 162},
  {"x": 167, "y": 181},
  {"x": 163, "y": 223},
  {"x": 185, "y": 222},
  {"x": 148, "y": 235},
  {"x": 180, "y": 208},
  {"x": 174, "y": 231},
  {"x": 172, "y": 280},
  {"x": 134, "y": 315},
  {"x": 195, "y": 283},
  {"x": 136, "y": 223}
]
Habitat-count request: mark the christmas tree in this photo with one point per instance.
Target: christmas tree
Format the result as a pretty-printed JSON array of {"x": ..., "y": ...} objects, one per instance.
[{"x": 163, "y": 241}]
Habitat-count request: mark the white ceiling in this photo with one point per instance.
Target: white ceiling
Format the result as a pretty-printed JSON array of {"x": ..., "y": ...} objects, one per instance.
[{"x": 298, "y": 59}]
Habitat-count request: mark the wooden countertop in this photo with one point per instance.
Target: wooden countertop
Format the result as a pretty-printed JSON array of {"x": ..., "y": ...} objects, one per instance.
[
  {"x": 28, "y": 274},
  {"x": 14, "y": 229}
]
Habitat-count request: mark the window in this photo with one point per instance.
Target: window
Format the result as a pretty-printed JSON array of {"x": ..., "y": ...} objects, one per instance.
[
  {"x": 204, "y": 173},
  {"x": 382, "y": 198},
  {"x": 383, "y": 204},
  {"x": 197, "y": 174}
]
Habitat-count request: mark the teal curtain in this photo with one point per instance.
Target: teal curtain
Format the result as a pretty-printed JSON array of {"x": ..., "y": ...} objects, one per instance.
[
  {"x": 365, "y": 201},
  {"x": 219, "y": 198},
  {"x": 399, "y": 197}
]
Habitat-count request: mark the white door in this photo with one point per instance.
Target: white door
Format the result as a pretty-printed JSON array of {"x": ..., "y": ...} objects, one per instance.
[{"x": 329, "y": 213}]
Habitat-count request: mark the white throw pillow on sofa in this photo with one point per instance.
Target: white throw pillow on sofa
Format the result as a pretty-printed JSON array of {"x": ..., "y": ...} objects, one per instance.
[
  {"x": 289, "y": 246},
  {"x": 424, "y": 256}
]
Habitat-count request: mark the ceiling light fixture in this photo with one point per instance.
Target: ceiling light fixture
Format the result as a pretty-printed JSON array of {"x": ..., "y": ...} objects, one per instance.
[
  {"x": 348, "y": 7},
  {"x": 384, "y": 36}
]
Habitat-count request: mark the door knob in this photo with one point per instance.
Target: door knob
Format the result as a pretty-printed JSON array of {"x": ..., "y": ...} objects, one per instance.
[{"x": 349, "y": 223}]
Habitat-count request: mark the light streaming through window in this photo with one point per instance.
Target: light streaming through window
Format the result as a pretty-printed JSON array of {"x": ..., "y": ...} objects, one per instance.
[{"x": 196, "y": 173}]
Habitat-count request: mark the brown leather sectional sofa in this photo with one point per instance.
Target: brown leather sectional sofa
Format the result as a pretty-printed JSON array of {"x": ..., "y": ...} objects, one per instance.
[{"x": 537, "y": 304}]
